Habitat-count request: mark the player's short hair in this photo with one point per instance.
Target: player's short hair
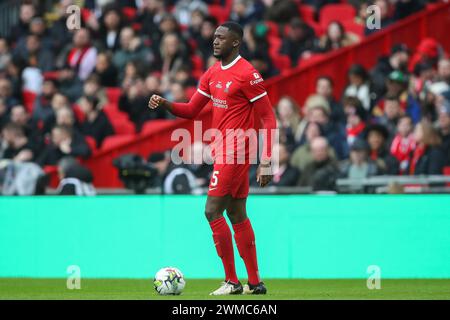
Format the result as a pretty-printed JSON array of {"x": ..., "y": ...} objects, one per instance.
[{"x": 235, "y": 28}]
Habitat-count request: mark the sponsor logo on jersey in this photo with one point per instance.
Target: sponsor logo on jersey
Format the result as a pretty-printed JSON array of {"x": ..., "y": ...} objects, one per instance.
[
  {"x": 219, "y": 103},
  {"x": 227, "y": 86},
  {"x": 253, "y": 82}
]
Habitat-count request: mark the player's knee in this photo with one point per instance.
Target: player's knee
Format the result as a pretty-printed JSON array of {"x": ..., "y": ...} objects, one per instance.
[{"x": 212, "y": 215}]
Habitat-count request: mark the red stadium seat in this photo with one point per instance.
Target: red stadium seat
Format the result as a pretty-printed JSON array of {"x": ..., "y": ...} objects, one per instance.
[
  {"x": 153, "y": 126},
  {"x": 307, "y": 13},
  {"x": 52, "y": 173},
  {"x": 282, "y": 62},
  {"x": 274, "y": 46},
  {"x": 79, "y": 115},
  {"x": 273, "y": 29},
  {"x": 129, "y": 13},
  {"x": 113, "y": 94},
  {"x": 353, "y": 27},
  {"x": 91, "y": 143},
  {"x": 221, "y": 14},
  {"x": 446, "y": 172},
  {"x": 123, "y": 126},
  {"x": 112, "y": 142},
  {"x": 51, "y": 75},
  {"x": 336, "y": 12},
  {"x": 28, "y": 100}
]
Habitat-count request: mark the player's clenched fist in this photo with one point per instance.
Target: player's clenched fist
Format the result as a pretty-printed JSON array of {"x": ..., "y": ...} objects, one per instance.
[
  {"x": 264, "y": 174},
  {"x": 155, "y": 101}
]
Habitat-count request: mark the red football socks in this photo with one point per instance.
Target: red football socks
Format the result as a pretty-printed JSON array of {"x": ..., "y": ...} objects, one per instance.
[
  {"x": 245, "y": 242},
  {"x": 224, "y": 246}
]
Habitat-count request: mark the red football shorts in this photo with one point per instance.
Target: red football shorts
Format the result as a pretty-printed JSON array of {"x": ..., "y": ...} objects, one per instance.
[{"x": 229, "y": 179}]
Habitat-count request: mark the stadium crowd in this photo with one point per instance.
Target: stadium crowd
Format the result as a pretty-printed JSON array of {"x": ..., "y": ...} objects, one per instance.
[{"x": 392, "y": 119}]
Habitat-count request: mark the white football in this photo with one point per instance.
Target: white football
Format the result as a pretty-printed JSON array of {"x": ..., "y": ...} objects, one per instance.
[{"x": 169, "y": 281}]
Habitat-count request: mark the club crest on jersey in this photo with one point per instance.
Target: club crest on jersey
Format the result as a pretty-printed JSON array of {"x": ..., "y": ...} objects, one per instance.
[
  {"x": 227, "y": 86},
  {"x": 219, "y": 85}
]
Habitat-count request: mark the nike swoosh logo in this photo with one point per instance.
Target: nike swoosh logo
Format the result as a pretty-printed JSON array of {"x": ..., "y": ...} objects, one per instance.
[
  {"x": 211, "y": 189},
  {"x": 211, "y": 82}
]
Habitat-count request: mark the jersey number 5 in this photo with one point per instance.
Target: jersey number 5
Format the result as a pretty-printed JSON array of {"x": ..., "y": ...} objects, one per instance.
[{"x": 214, "y": 179}]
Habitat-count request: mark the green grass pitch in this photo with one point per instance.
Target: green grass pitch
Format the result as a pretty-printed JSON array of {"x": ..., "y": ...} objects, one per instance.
[{"x": 296, "y": 289}]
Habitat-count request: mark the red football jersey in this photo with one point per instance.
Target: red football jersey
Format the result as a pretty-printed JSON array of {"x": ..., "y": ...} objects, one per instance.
[{"x": 233, "y": 89}]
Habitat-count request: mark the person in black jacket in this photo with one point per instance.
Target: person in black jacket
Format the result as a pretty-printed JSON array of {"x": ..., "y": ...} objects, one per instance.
[
  {"x": 285, "y": 176},
  {"x": 64, "y": 142},
  {"x": 76, "y": 180},
  {"x": 96, "y": 123},
  {"x": 377, "y": 136},
  {"x": 428, "y": 157}
]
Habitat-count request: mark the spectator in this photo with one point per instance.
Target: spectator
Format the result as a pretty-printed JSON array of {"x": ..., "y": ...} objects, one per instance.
[
  {"x": 96, "y": 124},
  {"x": 20, "y": 116},
  {"x": 60, "y": 34},
  {"x": 263, "y": 64},
  {"x": 195, "y": 23},
  {"x": 42, "y": 109},
  {"x": 111, "y": 24},
  {"x": 18, "y": 146},
  {"x": 184, "y": 8},
  {"x": 443, "y": 70},
  {"x": 428, "y": 156},
  {"x": 396, "y": 61},
  {"x": 325, "y": 88},
  {"x": 92, "y": 87},
  {"x": 4, "y": 115},
  {"x": 288, "y": 116},
  {"x": 70, "y": 84},
  {"x": 302, "y": 156},
  {"x": 131, "y": 49},
  {"x": 38, "y": 30},
  {"x": 81, "y": 55},
  {"x": 174, "y": 57},
  {"x": 321, "y": 174},
  {"x": 134, "y": 101},
  {"x": 403, "y": 143},
  {"x": 245, "y": 11},
  {"x": 336, "y": 38},
  {"x": 280, "y": 11},
  {"x": 358, "y": 85},
  {"x": 444, "y": 128},
  {"x": 318, "y": 110},
  {"x": 405, "y": 8},
  {"x": 6, "y": 93},
  {"x": 377, "y": 135},
  {"x": 63, "y": 143},
  {"x": 27, "y": 12},
  {"x": 392, "y": 113},
  {"x": 385, "y": 17},
  {"x": 105, "y": 70},
  {"x": 59, "y": 101},
  {"x": 356, "y": 117},
  {"x": 300, "y": 41},
  {"x": 206, "y": 37},
  {"x": 283, "y": 174},
  {"x": 149, "y": 16},
  {"x": 177, "y": 93},
  {"x": 160, "y": 161},
  {"x": 75, "y": 179},
  {"x": 5, "y": 54},
  {"x": 359, "y": 166}
]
